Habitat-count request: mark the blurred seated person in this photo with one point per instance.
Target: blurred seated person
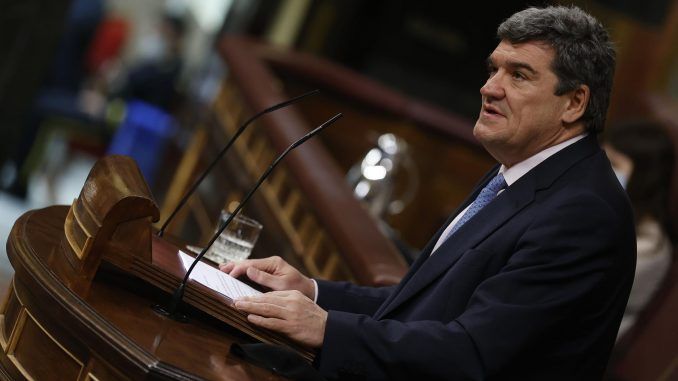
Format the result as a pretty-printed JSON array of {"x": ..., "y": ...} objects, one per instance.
[
  {"x": 642, "y": 156},
  {"x": 154, "y": 78}
]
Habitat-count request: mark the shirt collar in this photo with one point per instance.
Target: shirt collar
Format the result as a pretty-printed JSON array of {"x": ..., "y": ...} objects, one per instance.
[{"x": 511, "y": 175}]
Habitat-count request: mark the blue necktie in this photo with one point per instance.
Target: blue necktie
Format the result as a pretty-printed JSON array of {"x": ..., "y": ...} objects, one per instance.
[{"x": 484, "y": 197}]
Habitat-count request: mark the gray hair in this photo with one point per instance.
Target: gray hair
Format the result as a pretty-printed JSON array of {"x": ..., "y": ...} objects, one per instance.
[{"x": 584, "y": 54}]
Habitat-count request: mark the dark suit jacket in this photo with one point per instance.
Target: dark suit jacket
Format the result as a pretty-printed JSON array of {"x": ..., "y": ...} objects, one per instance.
[{"x": 531, "y": 288}]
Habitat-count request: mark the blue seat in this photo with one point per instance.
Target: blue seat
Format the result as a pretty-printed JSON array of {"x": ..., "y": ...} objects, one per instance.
[{"x": 143, "y": 135}]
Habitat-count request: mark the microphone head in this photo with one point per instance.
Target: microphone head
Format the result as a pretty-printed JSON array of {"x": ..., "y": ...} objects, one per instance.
[{"x": 317, "y": 130}]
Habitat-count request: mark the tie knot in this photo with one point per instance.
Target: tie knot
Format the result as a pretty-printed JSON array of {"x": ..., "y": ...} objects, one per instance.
[{"x": 496, "y": 184}]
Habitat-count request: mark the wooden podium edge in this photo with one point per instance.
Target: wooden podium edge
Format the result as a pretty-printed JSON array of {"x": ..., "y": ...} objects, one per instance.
[{"x": 207, "y": 300}]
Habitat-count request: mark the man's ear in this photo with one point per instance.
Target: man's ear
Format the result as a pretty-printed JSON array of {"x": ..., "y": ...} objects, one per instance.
[{"x": 578, "y": 100}]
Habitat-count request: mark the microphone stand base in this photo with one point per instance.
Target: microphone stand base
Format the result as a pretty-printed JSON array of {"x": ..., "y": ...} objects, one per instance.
[{"x": 176, "y": 315}]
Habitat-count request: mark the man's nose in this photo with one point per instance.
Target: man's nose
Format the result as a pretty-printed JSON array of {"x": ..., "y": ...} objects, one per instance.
[{"x": 493, "y": 87}]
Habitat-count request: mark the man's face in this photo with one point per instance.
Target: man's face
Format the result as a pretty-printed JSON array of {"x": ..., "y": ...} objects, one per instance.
[{"x": 520, "y": 115}]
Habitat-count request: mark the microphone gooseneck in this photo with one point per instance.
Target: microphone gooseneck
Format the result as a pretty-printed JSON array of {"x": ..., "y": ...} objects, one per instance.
[
  {"x": 225, "y": 149},
  {"x": 171, "y": 309}
]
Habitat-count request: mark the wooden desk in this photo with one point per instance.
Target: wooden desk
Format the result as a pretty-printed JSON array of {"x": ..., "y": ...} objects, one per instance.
[{"x": 47, "y": 332}]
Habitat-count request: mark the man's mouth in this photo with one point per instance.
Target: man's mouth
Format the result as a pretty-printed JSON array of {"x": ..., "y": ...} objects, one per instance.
[{"x": 491, "y": 110}]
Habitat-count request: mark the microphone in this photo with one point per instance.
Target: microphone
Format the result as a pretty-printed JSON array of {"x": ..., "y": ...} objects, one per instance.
[
  {"x": 223, "y": 151},
  {"x": 171, "y": 310}
]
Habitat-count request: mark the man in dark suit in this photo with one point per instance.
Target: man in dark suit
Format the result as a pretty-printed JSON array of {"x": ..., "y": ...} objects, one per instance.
[{"x": 528, "y": 280}]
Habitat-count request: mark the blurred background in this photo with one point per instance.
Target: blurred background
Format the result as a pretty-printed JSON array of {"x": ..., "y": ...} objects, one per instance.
[{"x": 166, "y": 81}]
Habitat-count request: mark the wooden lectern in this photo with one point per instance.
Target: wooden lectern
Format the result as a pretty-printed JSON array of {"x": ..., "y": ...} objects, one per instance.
[{"x": 86, "y": 276}]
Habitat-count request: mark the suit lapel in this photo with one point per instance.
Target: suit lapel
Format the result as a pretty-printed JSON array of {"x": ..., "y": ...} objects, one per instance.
[
  {"x": 426, "y": 252},
  {"x": 489, "y": 219},
  {"x": 428, "y": 268}
]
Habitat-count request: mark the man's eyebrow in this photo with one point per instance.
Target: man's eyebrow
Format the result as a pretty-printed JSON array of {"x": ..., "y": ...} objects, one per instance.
[
  {"x": 520, "y": 65},
  {"x": 512, "y": 64}
]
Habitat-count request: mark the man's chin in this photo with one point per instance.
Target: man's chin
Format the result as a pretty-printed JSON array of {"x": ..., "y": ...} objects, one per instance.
[
  {"x": 489, "y": 135},
  {"x": 482, "y": 131}
]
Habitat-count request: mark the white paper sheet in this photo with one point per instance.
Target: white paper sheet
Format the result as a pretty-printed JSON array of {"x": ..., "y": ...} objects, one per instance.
[{"x": 216, "y": 280}]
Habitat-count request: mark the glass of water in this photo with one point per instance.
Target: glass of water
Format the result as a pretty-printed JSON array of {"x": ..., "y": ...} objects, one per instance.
[{"x": 235, "y": 243}]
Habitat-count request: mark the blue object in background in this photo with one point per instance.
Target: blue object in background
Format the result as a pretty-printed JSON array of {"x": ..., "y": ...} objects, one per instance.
[{"x": 143, "y": 135}]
